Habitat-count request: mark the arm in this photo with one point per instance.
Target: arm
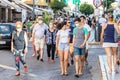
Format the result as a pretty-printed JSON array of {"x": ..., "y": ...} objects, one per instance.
[
  {"x": 26, "y": 43},
  {"x": 12, "y": 43},
  {"x": 86, "y": 34},
  {"x": 57, "y": 41},
  {"x": 102, "y": 33},
  {"x": 73, "y": 39}
]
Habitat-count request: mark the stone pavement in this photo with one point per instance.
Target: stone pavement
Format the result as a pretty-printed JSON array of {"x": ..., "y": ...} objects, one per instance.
[{"x": 46, "y": 70}]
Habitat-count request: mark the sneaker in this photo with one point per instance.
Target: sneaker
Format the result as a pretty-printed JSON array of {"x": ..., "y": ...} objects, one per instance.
[
  {"x": 41, "y": 60},
  {"x": 38, "y": 57},
  {"x": 17, "y": 73},
  {"x": 33, "y": 55},
  {"x": 72, "y": 61},
  {"x": 118, "y": 62},
  {"x": 25, "y": 69},
  {"x": 68, "y": 64},
  {"x": 76, "y": 75}
]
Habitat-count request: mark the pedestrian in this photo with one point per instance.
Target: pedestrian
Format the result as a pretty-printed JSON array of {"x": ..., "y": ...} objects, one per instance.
[
  {"x": 70, "y": 29},
  {"x": 62, "y": 44},
  {"x": 38, "y": 37},
  {"x": 83, "y": 21},
  {"x": 29, "y": 24},
  {"x": 50, "y": 35},
  {"x": 79, "y": 41},
  {"x": 101, "y": 21},
  {"x": 31, "y": 28},
  {"x": 19, "y": 45},
  {"x": 109, "y": 43},
  {"x": 55, "y": 25},
  {"x": 24, "y": 27}
]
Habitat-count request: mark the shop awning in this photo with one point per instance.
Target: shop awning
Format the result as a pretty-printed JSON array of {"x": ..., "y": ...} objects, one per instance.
[
  {"x": 23, "y": 5},
  {"x": 37, "y": 2},
  {"x": 11, "y": 5}
]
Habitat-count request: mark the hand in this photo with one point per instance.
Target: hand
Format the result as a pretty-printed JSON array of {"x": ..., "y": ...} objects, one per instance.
[
  {"x": 12, "y": 50},
  {"x": 25, "y": 50},
  {"x": 82, "y": 46},
  {"x": 100, "y": 43}
]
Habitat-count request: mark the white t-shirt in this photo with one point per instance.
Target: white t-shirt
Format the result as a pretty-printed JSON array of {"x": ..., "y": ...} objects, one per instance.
[
  {"x": 102, "y": 21},
  {"x": 87, "y": 27},
  {"x": 63, "y": 36}
]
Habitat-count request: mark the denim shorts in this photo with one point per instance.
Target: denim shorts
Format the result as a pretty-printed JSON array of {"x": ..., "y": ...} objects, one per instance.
[
  {"x": 63, "y": 46},
  {"x": 79, "y": 51}
]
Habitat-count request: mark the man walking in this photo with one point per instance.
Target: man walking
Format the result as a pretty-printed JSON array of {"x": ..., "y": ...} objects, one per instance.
[{"x": 38, "y": 37}]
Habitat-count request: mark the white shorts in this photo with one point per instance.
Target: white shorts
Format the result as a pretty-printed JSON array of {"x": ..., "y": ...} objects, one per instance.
[
  {"x": 39, "y": 44},
  {"x": 107, "y": 44}
]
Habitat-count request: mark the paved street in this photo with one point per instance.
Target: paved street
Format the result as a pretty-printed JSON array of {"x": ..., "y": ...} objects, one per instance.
[{"x": 48, "y": 71}]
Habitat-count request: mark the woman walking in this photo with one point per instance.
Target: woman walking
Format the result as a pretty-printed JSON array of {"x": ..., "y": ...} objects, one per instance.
[
  {"x": 50, "y": 35},
  {"x": 62, "y": 44},
  {"x": 109, "y": 43},
  {"x": 19, "y": 46}
]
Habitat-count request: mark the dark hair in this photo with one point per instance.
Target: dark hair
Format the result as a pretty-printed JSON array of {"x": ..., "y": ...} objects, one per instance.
[
  {"x": 77, "y": 19},
  {"x": 83, "y": 17},
  {"x": 60, "y": 25}
]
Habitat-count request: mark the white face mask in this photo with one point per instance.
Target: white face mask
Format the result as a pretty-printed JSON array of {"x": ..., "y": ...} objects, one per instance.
[
  {"x": 40, "y": 22},
  {"x": 19, "y": 29},
  {"x": 76, "y": 25}
]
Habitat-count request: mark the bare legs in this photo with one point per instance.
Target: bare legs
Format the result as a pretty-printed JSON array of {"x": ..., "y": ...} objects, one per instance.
[
  {"x": 77, "y": 69},
  {"x": 109, "y": 53},
  {"x": 63, "y": 61}
]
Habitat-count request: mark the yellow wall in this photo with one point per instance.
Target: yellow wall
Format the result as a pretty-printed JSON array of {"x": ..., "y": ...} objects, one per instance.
[{"x": 39, "y": 2}]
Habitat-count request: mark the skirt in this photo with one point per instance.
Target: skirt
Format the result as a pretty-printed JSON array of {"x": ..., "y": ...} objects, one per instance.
[{"x": 107, "y": 44}]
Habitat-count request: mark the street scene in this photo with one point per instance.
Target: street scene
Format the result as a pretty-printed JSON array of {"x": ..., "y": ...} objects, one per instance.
[{"x": 59, "y": 39}]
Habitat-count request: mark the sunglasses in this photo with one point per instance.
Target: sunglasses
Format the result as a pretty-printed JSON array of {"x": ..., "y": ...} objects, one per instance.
[{"x": 40, "y": 19}]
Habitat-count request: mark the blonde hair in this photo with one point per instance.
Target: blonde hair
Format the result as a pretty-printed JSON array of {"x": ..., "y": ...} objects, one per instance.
[{"x": 19, "y": 23}]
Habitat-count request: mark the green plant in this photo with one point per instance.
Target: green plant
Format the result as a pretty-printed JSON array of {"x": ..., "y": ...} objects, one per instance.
[{"x": 46, "y": 17}]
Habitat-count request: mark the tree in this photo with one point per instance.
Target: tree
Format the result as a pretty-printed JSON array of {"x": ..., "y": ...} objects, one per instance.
[
  {"x": 57, "y": 5},
  {"x": 108, "y": 3},
  {"x": 86, "y": 9}
]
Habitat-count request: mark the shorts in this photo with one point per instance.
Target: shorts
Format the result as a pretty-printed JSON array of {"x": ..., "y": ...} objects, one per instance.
[
  {"x": 63, "y": 46},
  {"x": 79, "y": 51},
  {"x": 107, "y": 44},
  {"x": 39, "y": 44}
]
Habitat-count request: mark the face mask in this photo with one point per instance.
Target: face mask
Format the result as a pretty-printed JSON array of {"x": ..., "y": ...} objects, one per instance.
[
  {"x": 40, "y": 22},
  {"x": 76, "y": 25},
  {"x": 50, "y": 26},
  {"x": 19, "y": 29}
]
